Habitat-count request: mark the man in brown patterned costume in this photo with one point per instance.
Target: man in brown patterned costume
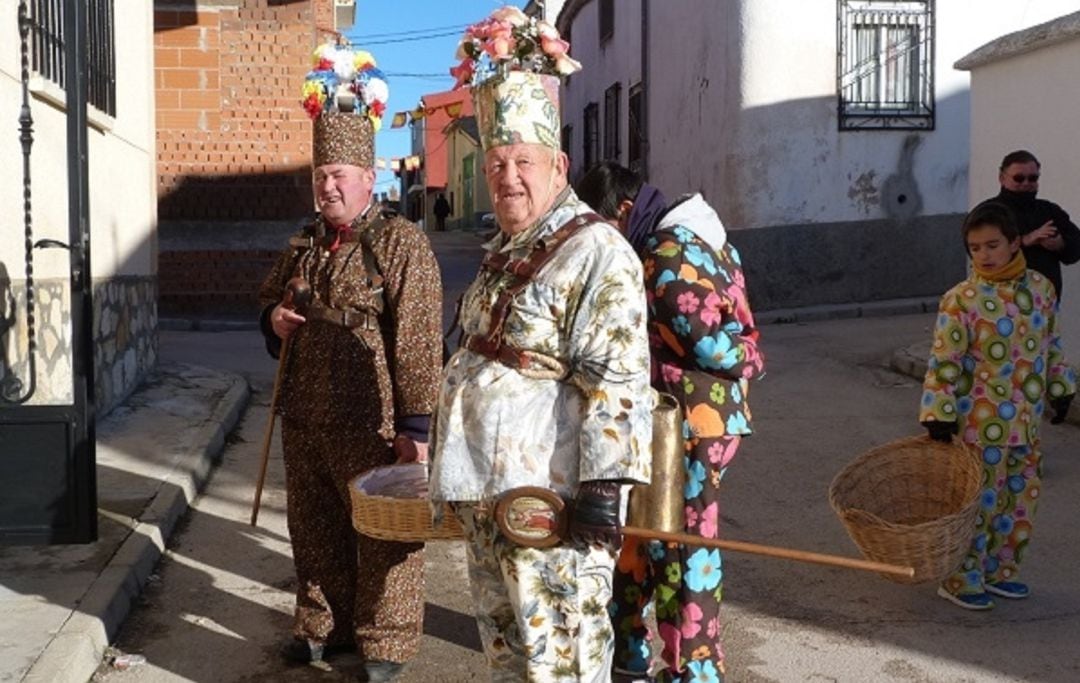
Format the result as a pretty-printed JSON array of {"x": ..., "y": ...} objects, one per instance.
[{"x": 358, "y": 385}]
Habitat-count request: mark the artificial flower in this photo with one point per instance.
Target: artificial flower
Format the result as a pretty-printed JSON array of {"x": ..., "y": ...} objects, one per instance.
[
  {"x": 363, "y": 60},
  {"x": 341, "y": 71},
  {"x": 319, "y": 54},
  {"x": 509, "y": 40},
  {"x": 512, "y": 15},
  {"x": 463, "y": 72}
]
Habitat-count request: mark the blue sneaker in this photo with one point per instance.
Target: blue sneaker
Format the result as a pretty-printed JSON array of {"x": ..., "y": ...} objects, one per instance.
[
  {"x": 1014, "y": 590},
  {"x": 973, "y": 601}
]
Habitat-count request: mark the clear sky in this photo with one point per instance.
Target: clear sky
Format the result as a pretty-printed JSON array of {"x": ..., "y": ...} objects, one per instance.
[{"x": 413, "y": 42}]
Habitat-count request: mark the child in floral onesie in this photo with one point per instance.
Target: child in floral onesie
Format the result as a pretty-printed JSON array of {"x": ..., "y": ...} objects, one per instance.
[
  {"x": 704, "y": 348},
  {"x": 995, "y": 362}
]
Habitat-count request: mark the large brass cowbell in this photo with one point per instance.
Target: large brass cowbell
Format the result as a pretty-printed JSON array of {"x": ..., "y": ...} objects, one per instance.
[{"x": 659, "y": 504}]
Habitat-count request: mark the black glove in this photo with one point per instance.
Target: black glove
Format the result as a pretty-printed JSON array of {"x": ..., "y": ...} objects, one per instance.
[
  {"x": 1061, "y": 408},
  {"x": 595, "y": 520},
  {"x": 940, "y": 431}
]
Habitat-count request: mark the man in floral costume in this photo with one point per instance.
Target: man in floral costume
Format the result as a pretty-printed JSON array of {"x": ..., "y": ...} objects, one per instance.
[
  {"x": 359, "y": 380},
  {"x": 704, "y": 352},
  {"x": 995, "y": 363},
  {"x": 551, "y": 387}
]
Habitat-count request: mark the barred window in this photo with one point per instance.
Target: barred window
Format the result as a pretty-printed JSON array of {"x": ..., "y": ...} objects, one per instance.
[
  {"x": 885, "y": 64},
  {"x": 47, "y": 48},
  {"x": 591, "y": 139},
  {"x": 611, "y": 122}
]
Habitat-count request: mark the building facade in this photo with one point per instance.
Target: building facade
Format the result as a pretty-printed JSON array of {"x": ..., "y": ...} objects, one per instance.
[
  {"x": 831, "y": 135},
  {"x": 467, "y": 189},
  {"x": 122, "y": 201},
  {"x": 438, "y": 148},
  {"x": 1008, "y": 74},
  {"x": 233, "y": 143}
]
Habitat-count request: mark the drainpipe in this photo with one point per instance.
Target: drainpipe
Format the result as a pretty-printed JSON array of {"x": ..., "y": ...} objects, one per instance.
[{"x": 644, "y": 124}]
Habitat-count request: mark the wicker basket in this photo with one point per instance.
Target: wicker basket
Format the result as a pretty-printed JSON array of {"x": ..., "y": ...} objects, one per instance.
[
  {"x": 912, "y": 502},
  {"x": 395, "y": 518}
]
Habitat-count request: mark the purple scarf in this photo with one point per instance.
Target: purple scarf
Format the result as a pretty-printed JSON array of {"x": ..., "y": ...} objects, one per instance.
[{"x": 649, "y": 205}]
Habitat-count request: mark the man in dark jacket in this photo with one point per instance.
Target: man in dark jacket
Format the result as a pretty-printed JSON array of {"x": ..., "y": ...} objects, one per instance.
[
  {"x": 1047, "y": 236},
  {"x": 441, "y": 210}
]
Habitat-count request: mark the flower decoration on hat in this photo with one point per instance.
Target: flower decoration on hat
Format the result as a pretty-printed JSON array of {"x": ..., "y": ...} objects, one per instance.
[
  {"x": 345, "y": 80},
  {"x": 510, "y": 40}
]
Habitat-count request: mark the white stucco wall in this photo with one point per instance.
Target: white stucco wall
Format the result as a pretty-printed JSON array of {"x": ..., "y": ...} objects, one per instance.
[
  {"x": 1028, "y": 102},
  {"x": 802, "y": 168},
  {"x": 123, "y": 208},
  {"x": 618, "y": 60},
  {"x": 743, "y": 107},
  {"x": 123, "y": 201}
]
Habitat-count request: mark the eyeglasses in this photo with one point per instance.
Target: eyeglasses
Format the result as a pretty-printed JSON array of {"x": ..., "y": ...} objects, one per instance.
[{"x": 1021, "y": 178}]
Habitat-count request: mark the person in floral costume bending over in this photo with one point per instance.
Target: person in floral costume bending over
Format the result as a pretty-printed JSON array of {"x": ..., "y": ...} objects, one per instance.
[{"x": 704, "y": 352}]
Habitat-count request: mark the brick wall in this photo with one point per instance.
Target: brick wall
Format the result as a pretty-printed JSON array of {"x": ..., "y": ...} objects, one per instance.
[
  {"x": 212, "y": 283},
  {"x": 233, "y": 142}
]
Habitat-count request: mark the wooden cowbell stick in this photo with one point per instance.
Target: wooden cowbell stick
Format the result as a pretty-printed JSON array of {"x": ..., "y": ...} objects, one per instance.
[
  {"x": 538, "y": 518},
  {"x": 297, "y": 297}
]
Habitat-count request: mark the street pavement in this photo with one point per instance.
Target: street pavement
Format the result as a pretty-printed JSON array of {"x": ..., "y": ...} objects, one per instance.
[{"x": 218, "y": 603}]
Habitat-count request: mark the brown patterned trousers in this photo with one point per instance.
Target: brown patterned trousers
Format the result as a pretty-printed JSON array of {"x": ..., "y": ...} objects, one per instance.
[{"x": 350, "y": 587}]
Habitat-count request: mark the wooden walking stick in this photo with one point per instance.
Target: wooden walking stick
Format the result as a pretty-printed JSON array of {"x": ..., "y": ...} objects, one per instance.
[
  {"x": 297, "y": 297},
  {"x": 538, "y": 518}
]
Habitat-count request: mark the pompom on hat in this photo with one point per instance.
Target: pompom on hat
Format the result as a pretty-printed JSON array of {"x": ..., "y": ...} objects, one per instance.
[
  {"x": 345, "y": 95},
  {"x": 514, "y": 63}
]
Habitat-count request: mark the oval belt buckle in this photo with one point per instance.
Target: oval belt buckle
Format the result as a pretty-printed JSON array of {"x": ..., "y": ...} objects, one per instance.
[{"x": 532, "y": 516}]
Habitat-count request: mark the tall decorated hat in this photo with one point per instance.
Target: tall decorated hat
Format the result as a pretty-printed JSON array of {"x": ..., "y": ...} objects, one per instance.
[
  {"x": 513, "y": 63},
  {"x": 345, "y": 95}
]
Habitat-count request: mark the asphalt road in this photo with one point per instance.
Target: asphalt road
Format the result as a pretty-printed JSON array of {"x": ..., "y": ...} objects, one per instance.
[{"x": 221, "y": 598}]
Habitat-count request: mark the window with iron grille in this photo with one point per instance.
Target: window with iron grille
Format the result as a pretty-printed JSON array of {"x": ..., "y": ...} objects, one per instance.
[
  {"x": 47, "y": 48},
  {"x": 611, "y": 122},
  {"x": 591, "y": 149},
  {"x": 635, "y": 127},
  {"x": 885, "y": 64},
  {"x": 607, "y": 20}
]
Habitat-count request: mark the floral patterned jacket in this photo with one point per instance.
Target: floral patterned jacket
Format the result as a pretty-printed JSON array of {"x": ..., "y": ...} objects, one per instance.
[
  {"x": 705, "y": 345},
  {"x": 497, "y": 428},
  {"x": 995, "y": 357}
]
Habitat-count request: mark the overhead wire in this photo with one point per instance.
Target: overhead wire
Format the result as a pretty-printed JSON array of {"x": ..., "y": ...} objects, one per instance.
[{"x": 394, "y": 34}]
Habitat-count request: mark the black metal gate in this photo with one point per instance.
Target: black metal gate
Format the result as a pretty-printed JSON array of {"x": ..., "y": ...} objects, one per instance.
[{"x": 48, "y": 489}]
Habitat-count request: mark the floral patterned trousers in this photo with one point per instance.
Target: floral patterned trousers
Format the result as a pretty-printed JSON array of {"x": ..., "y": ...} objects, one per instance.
[
  {"x": 541, "y": 612},
  {"x": 684, "y": 583},
  {"x": 1012, "y": 485}
]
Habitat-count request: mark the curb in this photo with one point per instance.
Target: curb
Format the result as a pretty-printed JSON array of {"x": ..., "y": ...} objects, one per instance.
[
  {"x": 873, "y": 309},
  {"x": 75, "y": 652}
]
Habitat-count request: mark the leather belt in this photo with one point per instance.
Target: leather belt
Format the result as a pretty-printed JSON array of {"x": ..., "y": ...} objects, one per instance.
[{"x": 347, "y": 319}]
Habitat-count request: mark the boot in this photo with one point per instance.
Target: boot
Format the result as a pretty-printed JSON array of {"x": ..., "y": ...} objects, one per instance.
[
  {"x": 308, "y": 651},
  {"x": 379, "y": 671}
]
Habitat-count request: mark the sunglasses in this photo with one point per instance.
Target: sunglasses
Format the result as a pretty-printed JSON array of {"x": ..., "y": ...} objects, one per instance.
[{"x": 1020, "y": 178}]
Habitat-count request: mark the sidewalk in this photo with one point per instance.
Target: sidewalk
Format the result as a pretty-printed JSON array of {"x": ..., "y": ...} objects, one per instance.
[{"x": 62, "y": 604}]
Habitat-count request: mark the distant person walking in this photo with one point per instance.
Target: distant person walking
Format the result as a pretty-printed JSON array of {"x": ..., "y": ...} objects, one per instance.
[
  {"x": 1047, "y": 236},
  {"x": 442, "y": 210}
]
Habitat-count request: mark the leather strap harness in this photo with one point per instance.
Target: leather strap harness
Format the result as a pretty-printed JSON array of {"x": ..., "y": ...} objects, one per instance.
[
  {"x": 492, "y": 344},
  {"x": 365, "y": 236}
]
